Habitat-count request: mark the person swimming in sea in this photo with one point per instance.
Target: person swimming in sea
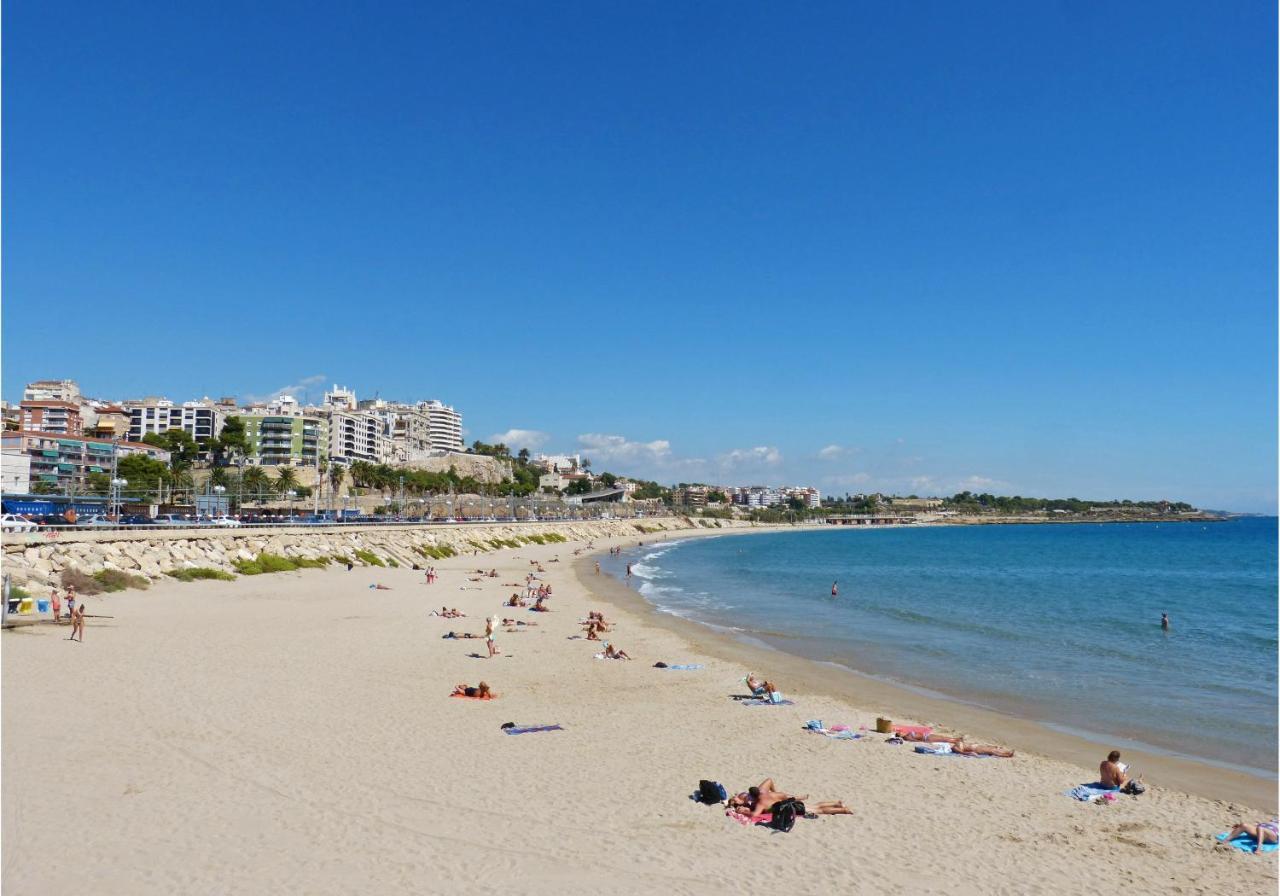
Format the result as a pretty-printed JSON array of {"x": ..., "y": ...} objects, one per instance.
[
  {"x": 835, "y": 591},
  {"x": 1164, "y": 621}
]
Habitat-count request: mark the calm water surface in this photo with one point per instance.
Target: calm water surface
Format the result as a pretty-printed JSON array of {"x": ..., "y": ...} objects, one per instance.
[{"x": 1060, "y": 623}]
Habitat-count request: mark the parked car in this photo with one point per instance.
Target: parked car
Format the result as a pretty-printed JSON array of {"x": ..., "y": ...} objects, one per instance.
[
  {"x": 172, "y": 519},
  {"x": 136, "y": 520},
  {"x": 224, "y": 522},
  {"x": 11, "y": 523},
  {"x": 95, "y": 520}
]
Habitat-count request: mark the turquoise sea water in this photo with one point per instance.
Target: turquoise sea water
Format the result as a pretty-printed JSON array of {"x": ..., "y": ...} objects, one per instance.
[{"x": 1059, "y": 623}]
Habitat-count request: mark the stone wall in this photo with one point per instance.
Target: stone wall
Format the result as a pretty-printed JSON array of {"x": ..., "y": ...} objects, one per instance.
[{"x": 36, "y": 561}]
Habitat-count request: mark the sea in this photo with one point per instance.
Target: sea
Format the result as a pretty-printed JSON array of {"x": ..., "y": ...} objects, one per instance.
[{"x": 1057, "y": 623}]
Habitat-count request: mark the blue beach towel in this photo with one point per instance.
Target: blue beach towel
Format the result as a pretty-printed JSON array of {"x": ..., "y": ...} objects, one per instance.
[
  {"x": 533, "y": 729},
  {"x": 1245, "y": 843},
  {"x": 1087, "y": 793},
  {"x": 766, "y": 703},
  {"x": 687, "y": 667}
]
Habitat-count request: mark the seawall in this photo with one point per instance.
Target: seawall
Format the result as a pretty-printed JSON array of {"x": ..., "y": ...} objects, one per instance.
[{"x": 36, "y": 561}]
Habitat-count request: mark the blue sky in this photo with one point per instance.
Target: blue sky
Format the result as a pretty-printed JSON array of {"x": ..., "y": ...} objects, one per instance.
[{"x": 917, "y": 249}]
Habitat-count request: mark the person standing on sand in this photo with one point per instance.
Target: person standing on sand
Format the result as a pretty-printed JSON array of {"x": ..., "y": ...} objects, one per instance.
[
  {"x": 71, "y": 602},
  {"x": 491, "y": 633},
  {"x": 1164, "y": 621},
  {"x": 77, "y": 623},
  {"x": 57, "y": 604},
  {"x": 597, "y": 568}
]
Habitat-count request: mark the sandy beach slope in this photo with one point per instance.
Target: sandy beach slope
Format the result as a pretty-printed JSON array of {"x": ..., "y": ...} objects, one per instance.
[{"x": 292, "y": 733}]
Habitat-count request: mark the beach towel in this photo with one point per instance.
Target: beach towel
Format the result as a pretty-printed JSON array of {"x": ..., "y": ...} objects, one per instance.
[
  {"x": 1245, "y": 843},
  {"x": 685, "y": 666},
  {"x": 919, "y": 730},
  {"x": 745, "y": 819},
  {"x": 935, "y": 749},
  {"x": 532, "y": 730},
  {"x": 465, "y": 697},
  {"x": 1088, "y": 793},
  {"x": 766, "y": 703},
  {"x": 837, "y": 732}
]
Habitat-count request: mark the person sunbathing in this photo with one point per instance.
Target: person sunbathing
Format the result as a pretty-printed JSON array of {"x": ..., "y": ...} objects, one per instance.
[
  {"x": 755, "y": 685},
  {"x": 480, "y": 692},
  {"x": 459, "y": 635},
  {"x": 538, "y": 606},
  {"x": 919, "y": 738},
  {"x": 1262, "y": 833},
  {"x": 613, "y": 653},
  {"x": 761, "y": 799},
  {"x": 593, "y": 632},
  {"x": 380, "y": 587},
  {"x": 966, "y": 749},
  {"x": 516, "y": 622}
]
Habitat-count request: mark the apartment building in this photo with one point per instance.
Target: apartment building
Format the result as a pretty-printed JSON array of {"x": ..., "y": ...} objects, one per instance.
[
  {"x": 284, "y": 434},
  {"x": 53, "y": 390},
  {"x": 357, "y": 435},
  {"x": 202, "y": 420},
  {"x": 444, "y": 425},
  {"x": 65, "y": 463},
  {"x": 52, "y": 415}
]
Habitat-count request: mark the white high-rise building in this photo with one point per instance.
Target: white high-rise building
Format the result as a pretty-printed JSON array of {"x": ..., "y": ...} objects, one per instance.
[
  {"x": 203, "y": 419},
  {"x": 444, "y": 425}
]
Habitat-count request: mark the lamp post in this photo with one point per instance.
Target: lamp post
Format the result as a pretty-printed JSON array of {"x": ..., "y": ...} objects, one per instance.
[
  {"x": 218, "y": 492},
  {"x": 116, "y": 485},
  {"x": 292, "y": 494}
]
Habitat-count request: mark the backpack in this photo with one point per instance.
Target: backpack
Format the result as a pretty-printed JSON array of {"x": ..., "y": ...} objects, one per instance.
[
  {"x": 711, "y": 792},
  {"x": 785, "y": 814}
]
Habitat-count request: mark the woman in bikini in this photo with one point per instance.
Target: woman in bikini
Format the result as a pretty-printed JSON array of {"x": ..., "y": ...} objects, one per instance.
[
  {"x": 480, "y": 692},
  {"x": 1262, "y": 832}
]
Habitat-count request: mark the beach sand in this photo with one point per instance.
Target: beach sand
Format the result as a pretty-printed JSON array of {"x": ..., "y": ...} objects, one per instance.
[{"x": 292, "y": 733}]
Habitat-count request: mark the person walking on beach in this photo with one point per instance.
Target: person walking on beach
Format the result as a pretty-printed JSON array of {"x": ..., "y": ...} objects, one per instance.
[
  {"x": 1164, "y": 621},
  {"x": 77, "y": 623},
  {"x": 597, "y": 568},
  {"x": 56, "y": 601}
]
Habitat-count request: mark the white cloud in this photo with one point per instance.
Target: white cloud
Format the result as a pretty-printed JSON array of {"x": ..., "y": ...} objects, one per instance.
[
  {"x": 761, "y": 455},
  {"x": 606, "y": 448},
  {"x": 923, "y": 483},
  {"x": 295, "y": 389},
  {"x": 832, "y": 452},
  {"x": 845, "y": 480},
  {"x": 975, "y": 483},
  {"x": 520, "y": 438}
]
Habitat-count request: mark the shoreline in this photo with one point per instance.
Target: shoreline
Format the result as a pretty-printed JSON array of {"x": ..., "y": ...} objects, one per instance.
[
  {"x": 868, "y": 693},
  {"x": 293, "y": 732}
]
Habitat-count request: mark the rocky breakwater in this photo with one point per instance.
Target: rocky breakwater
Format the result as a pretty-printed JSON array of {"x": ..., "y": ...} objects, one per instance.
[{"x": 37, "y": 561}]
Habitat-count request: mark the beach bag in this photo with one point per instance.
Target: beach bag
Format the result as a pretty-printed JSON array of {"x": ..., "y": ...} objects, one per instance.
[
  {"x": 711, "y": 793},
  {"x": 785, "y": 814},
  {"x": 1134, "y": 788}
]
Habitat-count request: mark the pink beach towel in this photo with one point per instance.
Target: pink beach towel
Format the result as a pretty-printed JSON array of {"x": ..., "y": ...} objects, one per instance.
[
  {"x": 745, "y": 819},
  {"x": 919, "y": 730}
]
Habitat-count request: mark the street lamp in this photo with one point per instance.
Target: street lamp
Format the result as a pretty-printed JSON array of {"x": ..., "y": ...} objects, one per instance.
[
  {"x": 116, "y": 485},
  {"x": 292, "y": 494},
  {"x": 219, "y": 491}
]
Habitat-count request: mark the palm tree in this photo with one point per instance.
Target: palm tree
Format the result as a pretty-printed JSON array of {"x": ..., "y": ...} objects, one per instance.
[
  {"x": 286, "y": 479},
  {"x": 256, "y": 482}
]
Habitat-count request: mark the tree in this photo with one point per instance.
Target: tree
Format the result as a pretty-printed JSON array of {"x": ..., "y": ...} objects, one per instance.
[
  {"x": 336, "y": 475},
  {"x": 608, "y": 480},
  {"x": 233, "y": 441},
  {"x": 797, "y": 503},
  {"x": 256, "y": 482},
  {"x": 183, "y": 449},
  {"x": 44, "y": 487},
  {"x": 523, "y": 456},
  {"x": 717, "y": 497},
  {"x": 579, "y": 487},
  {"x": 586, "y": 464},
  {"x": 286, "y": 480},
  {"x": 98, "y": 484},
  {"x": 146, "y": 475}
]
